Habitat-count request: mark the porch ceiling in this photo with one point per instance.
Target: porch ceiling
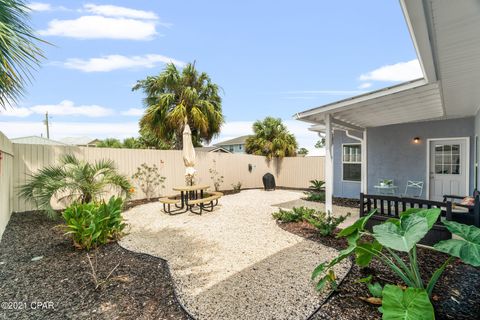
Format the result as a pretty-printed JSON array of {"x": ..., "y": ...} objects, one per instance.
[{"x": 410, "y": 102}]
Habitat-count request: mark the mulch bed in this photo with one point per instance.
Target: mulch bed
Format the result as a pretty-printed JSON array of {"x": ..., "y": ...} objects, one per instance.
[
  {"x": 139, "y": 288},
  {"x": 456, "y": 295}
]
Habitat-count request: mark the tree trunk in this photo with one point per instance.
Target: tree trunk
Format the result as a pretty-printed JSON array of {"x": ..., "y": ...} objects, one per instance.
[{"x": 178, "y": 140}]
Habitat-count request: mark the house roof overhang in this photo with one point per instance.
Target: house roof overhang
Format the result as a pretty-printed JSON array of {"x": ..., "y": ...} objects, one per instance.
[
  {"x": 408, "y": 102},
  {"x": 447, "y": 41}
]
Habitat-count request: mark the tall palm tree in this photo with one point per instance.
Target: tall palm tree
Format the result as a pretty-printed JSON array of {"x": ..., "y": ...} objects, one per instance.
[
  {"x": 174, "y": 98},
  {"x": 271, "y": 139},
  {"x": 74, "y": 180},
  {"x": 18, "y": 50}
]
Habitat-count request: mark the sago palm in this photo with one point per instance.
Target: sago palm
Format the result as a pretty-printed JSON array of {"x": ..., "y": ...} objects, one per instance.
[
  {"x": 271, "y": 139},
  {"x": 18, "y": 50},
  {"x": 174, "y": 97},
  {"x": 74, "y": 180}
]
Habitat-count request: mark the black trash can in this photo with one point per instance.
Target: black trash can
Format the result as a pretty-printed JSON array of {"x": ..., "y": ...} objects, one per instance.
[{"x": 268, "y": 181}]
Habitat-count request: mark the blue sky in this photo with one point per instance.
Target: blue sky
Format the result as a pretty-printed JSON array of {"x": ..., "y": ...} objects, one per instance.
[{"x": 270, "y": 57}]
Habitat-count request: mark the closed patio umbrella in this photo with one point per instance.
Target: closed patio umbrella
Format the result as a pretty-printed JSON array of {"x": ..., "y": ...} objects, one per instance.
[{"x": 188, "y": 155}]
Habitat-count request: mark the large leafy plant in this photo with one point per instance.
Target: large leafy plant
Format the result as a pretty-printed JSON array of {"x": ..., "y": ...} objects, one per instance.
[
  {"x": 92, "y": 224},
  {"x": 74, "y": 180},
  {"x": 402, "y": 235}
]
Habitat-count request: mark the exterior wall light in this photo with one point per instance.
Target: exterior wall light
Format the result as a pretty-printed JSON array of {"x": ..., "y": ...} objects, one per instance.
[{"x": 416, "y": 140}]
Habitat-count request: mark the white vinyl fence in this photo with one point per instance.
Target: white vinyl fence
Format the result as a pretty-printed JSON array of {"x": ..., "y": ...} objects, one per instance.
[
  {"x": 6, "y": 181},
  {"x": 20, "y": 161}
]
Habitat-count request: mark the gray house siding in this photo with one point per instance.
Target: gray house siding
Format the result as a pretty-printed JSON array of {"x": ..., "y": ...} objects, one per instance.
[
  {"x": 344, "y": 189},
  {"x": 477, "y": 151},
  {"x": 392, "y": 154}
]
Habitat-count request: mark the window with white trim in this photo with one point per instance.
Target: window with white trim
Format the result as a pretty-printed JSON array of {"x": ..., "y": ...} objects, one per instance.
[{"x": 352, "y": 162}]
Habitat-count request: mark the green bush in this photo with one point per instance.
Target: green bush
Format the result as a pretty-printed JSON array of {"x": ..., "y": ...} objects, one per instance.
[
  {"x": 294, "y": 215},
  {"x": 402, "y": 235},
  {"x": 92, "y": 224},
  {"x": 324, "y": 222},
  {"x": 317, "y": 185},
  {"x": 315, "y": 196}
]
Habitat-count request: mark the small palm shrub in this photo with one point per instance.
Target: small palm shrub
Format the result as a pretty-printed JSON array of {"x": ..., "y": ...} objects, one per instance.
[
  {"x": 237, "y": 186},
  {"x": 92, "y": 224},
  {"x": 74, "y": 180},
  {"x": 294, "y": 215},
  {"x": 325, "y": 223},
  {"x": 317, "y": 185}
]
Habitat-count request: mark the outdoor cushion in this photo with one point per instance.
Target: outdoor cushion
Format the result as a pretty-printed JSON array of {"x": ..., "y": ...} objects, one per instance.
[{"x": 468, "y": 201}]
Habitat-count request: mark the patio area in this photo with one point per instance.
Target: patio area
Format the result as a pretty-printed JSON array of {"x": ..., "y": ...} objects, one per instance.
[{"x": 235, "y": 260}]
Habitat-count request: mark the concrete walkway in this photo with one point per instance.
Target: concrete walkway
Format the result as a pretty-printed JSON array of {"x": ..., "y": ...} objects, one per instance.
[{"x": 234, "y": 262}]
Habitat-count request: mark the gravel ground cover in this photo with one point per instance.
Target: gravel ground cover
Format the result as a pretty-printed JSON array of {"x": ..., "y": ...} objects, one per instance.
[
  {"x": 456, "y": 295},
  {"x": 234, "y": 262},
  {"x": 139, "y": 288}
]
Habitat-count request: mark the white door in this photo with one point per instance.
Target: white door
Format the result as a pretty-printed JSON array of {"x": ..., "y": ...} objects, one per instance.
[{"x": 448, "y": 168}]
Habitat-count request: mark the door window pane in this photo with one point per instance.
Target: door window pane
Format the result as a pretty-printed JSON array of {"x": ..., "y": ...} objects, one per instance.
[{"x": 447, "y": 159}]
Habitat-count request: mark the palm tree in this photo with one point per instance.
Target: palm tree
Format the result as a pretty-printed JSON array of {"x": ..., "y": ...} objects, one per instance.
[
  {"x": 174, "y": 98},
  {"x": 74, "y": 180},
  {"x": 110, "y": 143},
  {"x": 271, "y": 139},
  {"x": 18, "y": 50}
]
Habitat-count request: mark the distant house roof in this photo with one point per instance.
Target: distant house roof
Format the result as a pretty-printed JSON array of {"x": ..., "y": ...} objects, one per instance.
[
  {"x": 238, "y": 140},
  {"x": 79, "y": 141},
  {"x": 36, "y": 140},
  {"x": 212, "y": 149}
]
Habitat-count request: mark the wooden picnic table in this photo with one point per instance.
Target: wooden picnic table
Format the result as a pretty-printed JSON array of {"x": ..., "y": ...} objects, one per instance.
[{"x": 190, "y": 193}]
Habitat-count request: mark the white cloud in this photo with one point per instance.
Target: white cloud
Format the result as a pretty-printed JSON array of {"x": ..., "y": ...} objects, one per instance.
[
  {"x": 365, "y": 85},
  {"x": 133, "y": 112},
  {"x": 40, "y": 6},
  {"x": 116, "y": 62},
  {"x": 68, "y": 108},
  {"x": 58, "y": 130},
  {"x": 402, "y": 71},
  {"x": 98, "y": 27},
  {"x": 116, "y": 11},
  {"x": 16, "y": 112}
]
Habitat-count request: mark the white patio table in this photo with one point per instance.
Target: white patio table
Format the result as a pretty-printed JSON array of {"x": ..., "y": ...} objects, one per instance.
[{"x": 386, "y": 189}]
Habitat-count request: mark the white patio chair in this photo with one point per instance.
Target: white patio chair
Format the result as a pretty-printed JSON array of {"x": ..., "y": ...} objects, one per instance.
[{"x": 413, "y": 189}]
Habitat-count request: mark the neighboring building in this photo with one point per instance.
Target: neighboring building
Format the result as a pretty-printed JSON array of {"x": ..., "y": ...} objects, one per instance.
[
  {"x": 212, "y": 149},
  {"x": 236, "y": 145},
  {"x": 81, "y": 141},
  {"x": 36, "y": 140},
  {"x": 424, "y": 130}
]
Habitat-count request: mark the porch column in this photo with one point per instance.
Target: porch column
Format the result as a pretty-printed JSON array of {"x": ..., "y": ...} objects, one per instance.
[
  {"x": 328, "y": 164},
  {"x": 364, "y": 186}
]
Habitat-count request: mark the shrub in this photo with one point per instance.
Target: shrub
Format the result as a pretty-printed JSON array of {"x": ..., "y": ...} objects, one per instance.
[
  {"x": 92, "y": 224},
  {"x": 216, "y": 177},
  {"x": 72, "y": 181},
  {"x": 294, "y": 215},
  {"x": 237, "y": 186},
  {"x": 315, "y": 196},
  {"x": 149, "y": 179},
  {"x": 317, "y": 185},
  {"x": 402, "y": 235},
  {"x": 325, "y": 223}
]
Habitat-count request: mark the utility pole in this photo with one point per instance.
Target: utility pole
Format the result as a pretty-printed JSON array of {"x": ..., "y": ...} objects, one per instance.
[{"x": 47, "y": 125}]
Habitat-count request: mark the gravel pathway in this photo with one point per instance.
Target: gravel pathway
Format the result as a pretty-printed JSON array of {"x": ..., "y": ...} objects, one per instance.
[{"x": 234, "y": 262}]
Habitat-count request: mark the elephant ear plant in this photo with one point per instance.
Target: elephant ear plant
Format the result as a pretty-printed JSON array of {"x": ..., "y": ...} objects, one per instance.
[{"x": 385, "y": 244}]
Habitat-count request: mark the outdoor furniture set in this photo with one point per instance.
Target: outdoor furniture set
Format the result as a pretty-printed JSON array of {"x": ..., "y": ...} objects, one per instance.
[
  {"x": 412, "y": 189},
  {"x": 191, "y": 197},
  {"x": 388, "y": 206}
]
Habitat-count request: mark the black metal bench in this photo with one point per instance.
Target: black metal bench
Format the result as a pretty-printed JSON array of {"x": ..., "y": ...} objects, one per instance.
[
  {"x": 470, "y": 215},
  {"x": 391, "y": 206}
]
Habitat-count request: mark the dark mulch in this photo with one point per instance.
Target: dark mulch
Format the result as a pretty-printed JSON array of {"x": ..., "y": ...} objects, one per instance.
[
  {"x": 456, "y": 295},
  {"x": 140, "y": 287}
]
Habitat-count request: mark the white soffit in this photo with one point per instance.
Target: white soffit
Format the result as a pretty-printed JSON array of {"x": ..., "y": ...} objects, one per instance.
[
  {"x": 456, "y": 26},
  {"x": 407, "y": 105}
]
